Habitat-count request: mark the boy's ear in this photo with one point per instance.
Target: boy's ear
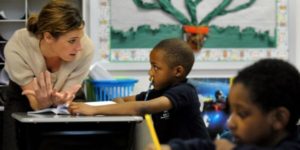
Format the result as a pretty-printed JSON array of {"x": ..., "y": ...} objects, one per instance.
[
  {"x": 179, "y": 71},
  {"x": 281, "y": 117}
]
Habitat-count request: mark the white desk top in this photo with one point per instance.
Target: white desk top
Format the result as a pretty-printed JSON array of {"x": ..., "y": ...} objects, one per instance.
[{"x": 51, "y": 118}]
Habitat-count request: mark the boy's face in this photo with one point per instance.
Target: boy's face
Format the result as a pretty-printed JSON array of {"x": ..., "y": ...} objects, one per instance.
[
  {"x": 248, "y": 123},
  {"x": 162, "y": 74}
]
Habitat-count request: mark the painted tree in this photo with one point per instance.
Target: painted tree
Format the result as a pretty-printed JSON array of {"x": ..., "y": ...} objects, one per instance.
[{"x": 195, "y": 29}]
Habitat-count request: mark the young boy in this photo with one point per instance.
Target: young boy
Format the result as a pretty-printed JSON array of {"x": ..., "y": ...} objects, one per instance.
[
  {"x": 173, "y": 103},
  {"x": 264, "y": 103}
]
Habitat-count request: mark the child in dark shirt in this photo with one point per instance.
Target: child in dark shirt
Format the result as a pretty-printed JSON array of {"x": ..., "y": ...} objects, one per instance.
[
  {"x": 173, "y": 102},
  {"x": 264, "y": 104}
]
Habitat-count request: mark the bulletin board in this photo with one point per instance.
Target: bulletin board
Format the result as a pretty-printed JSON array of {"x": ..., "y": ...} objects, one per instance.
[{"x": 125, "y": 32}]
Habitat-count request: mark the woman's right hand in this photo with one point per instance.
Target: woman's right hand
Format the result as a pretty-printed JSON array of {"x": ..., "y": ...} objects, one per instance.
[{"x": 41, "y": 88}]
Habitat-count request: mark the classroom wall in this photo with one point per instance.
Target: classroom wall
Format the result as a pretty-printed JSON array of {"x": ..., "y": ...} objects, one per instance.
[
  {"x": 297, "y": 32},
  {"x": 203, "y": 69},
  {"x": 140, "y": 72},
  {"x": 294, "y": 47}
]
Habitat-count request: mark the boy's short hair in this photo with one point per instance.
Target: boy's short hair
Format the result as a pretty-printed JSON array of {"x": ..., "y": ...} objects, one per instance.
[
  {"x": 273, "y": 83},
  {"x": 177, "y": 52}
]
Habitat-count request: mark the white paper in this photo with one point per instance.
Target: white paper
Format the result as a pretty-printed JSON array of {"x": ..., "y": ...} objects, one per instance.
[{"x": 63, "y": 109}]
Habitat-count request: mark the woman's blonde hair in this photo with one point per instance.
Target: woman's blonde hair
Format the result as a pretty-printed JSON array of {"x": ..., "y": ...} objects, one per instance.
[{"x": 57, "y": 17}]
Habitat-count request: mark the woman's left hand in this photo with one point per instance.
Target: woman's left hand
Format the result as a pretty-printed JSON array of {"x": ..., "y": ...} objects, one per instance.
[{"x": 64, "y": 97}]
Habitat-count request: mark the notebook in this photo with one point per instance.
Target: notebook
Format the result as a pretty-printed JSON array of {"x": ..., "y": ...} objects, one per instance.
[{"x": 63, "y": 109}]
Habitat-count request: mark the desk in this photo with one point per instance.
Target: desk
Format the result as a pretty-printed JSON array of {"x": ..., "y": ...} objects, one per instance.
[{"x": 47, "y": 131}]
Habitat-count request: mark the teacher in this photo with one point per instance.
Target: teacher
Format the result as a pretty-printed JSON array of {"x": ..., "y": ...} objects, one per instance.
[{"x": 46, "y": 63}]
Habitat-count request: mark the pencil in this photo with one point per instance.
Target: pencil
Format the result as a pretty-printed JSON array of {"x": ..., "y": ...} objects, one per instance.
[
  {"x": 152, "y": 132},
  {"x": 149, "y": 88},
  {"x": 150, "y": 122}
]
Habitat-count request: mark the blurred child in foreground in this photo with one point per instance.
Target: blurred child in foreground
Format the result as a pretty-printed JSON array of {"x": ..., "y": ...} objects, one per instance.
[
  {"x": 264, "y": 102},
  {"x": 173, "y": 102}
]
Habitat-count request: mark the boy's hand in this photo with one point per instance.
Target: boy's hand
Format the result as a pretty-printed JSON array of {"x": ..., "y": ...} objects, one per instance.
[
  {"x": 223, "y": 144},
  {"x": 119, "y": 100},
  {"x": 81, "y": 109},
  {"x": 162, "y": 147}
]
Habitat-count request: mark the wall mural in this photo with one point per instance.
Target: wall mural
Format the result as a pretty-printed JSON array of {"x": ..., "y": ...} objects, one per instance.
[
  {"x": 213, "y": 93},
  {"x": 218, "y": 30}
]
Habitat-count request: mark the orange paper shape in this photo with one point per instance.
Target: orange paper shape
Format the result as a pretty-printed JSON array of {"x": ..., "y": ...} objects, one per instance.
[{"x": 196, "y": 29}]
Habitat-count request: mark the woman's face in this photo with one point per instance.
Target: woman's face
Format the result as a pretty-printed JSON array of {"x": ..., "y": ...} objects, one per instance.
[
  {"x": 162, "y": 74},
  {"x": 68, "y": 45}
]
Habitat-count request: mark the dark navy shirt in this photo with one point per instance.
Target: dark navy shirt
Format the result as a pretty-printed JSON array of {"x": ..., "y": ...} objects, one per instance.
[
  {"x": 290, "y": 143},
  {"x": 184, "y": 120}
]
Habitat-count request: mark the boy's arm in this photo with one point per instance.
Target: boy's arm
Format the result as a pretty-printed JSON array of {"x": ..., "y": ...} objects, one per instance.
[
  {"x": 129, "y": 108},
  {"x": 124, "y": 99}
]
